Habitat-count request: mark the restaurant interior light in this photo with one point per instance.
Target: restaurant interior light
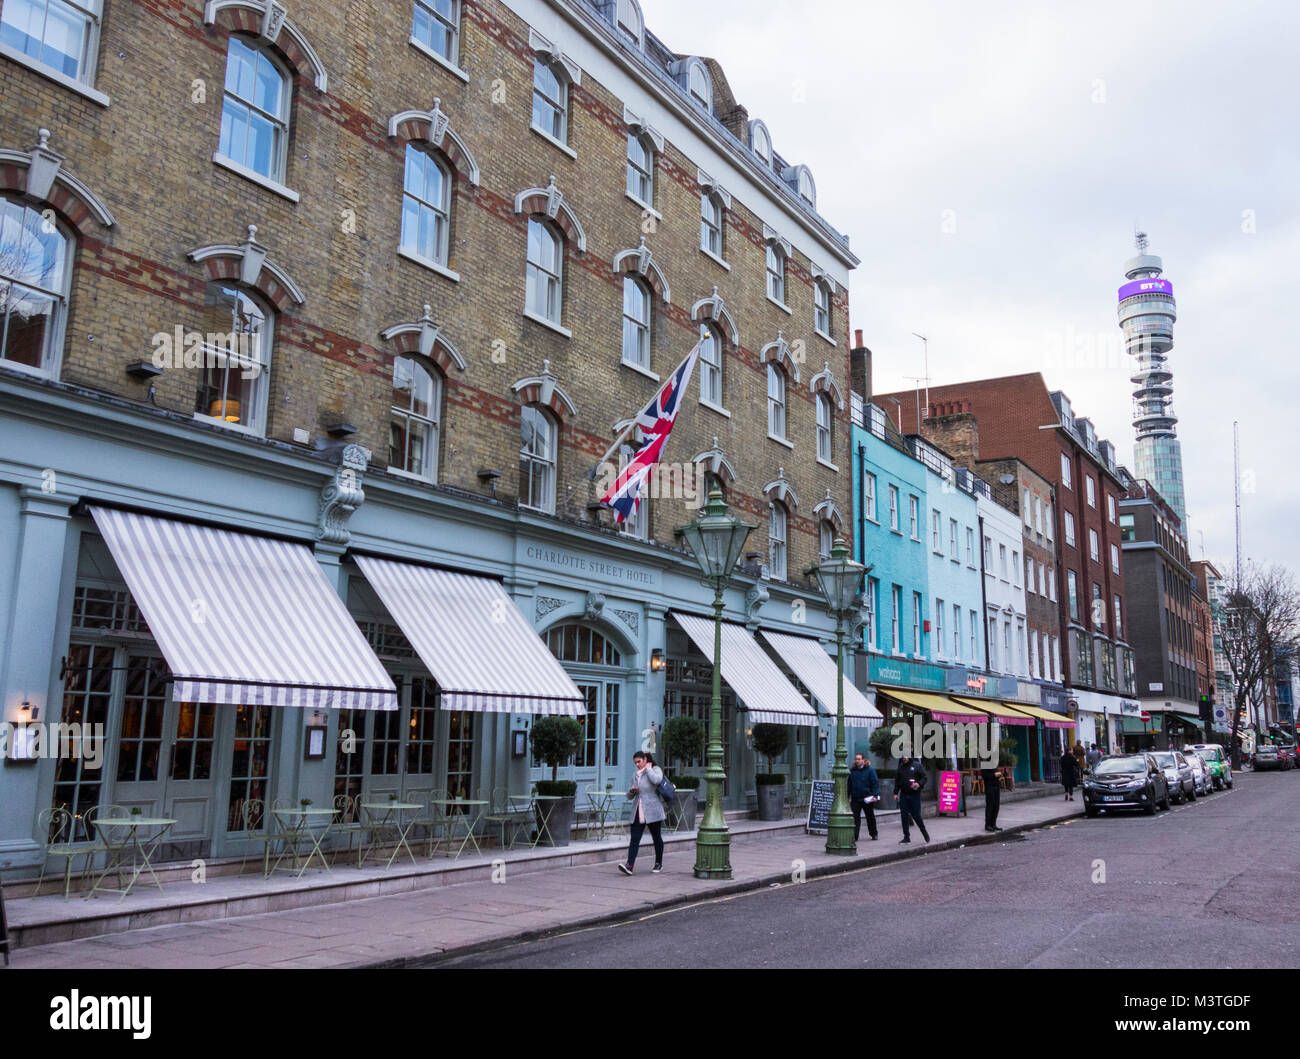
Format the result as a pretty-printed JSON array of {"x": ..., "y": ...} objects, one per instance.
[
  {"x": 228, "y": 410},
  {"x": 657, "y": 661}
]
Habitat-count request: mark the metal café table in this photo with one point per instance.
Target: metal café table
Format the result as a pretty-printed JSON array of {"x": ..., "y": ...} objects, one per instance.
[
  {"x": 602, "y": 806},
  {"x": 386, "y": 825},
  {"x": 544, "y": 818},
  {"x": 121, "y": 837},
  {"x": 295, "y": 826},
  {"x": 470, "y": 820}
]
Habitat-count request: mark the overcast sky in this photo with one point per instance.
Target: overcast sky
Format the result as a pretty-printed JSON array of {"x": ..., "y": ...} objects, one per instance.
[{"x": 1048, "y": 129}]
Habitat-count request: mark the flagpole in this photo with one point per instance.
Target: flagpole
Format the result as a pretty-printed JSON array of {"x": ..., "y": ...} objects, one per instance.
[{"x": 632, "y": 425}]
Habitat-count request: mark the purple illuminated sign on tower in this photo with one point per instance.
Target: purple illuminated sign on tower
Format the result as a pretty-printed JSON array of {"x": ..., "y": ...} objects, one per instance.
[{"x": 1146, "y": 286}]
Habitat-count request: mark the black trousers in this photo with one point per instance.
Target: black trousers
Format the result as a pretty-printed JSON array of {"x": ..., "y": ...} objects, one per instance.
[
  {"x": 638, "y": 829},
  {"x": 910, "y": 805},
  {"x": 992, "y": 797},
  {"x": 858, "y": 809}
]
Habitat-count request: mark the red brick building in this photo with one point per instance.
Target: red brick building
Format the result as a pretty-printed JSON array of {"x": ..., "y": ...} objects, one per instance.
[{"x": 1018, "y": 417}]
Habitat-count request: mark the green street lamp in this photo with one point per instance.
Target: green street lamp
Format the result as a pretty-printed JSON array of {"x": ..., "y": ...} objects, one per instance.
[
  {"x": 717, "y": 539},
  {"x": 840, "y": 579}
]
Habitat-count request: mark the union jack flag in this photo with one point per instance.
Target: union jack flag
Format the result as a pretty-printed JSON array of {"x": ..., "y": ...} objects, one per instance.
[{"x": 655, "y": 423}]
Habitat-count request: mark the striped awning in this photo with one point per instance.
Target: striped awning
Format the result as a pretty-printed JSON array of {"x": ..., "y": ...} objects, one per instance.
[
  {"x": 482, "y": 651},
  {"x": 939, "y": 707},
  {"x": 1052, "y": 720},
  {"x": 818, "y": 672},
  {"x": 1001, "y": 712},
  {"x": 243, "y": 619},
  {"x": 757, "y": 681}
]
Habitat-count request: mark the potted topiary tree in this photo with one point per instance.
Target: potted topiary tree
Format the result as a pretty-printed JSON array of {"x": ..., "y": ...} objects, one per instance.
[
  {"x": 555, "y": 740},
  {"x": 770, "y": 740},
  {"x": 683, "y": 740}
]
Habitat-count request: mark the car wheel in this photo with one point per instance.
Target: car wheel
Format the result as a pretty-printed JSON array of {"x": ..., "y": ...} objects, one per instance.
[
  {"x": 1089, "y": 812},
  {"x": 1165, "y": 804},
  {"x": 1150, "y": 807},
  {"x": 1191, "y": 795}
]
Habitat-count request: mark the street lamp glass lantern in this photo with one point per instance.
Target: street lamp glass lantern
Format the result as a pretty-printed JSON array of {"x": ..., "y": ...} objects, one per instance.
[
  {"x": 840, "y": 578},
  {"x": 716, "y": 538}
]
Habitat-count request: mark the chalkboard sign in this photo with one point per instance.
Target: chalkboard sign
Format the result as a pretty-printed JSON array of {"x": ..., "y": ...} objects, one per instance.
[{"x": 819, "y": 806}]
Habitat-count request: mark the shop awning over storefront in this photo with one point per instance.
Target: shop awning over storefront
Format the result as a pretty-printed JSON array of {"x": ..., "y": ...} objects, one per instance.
[
  {"x": 482, "y": 651},
  {"x": 1187, "y": 718},
  {"x": 755, "y": 678},
  {"x": 1001, "y": 712},
  {"x": 1137, "y": 726},
  {"x": 243, "y": 619},
  {"x": 1052, "y": 720},
  {"x": 818, "y": 672},
  {"x": 939, "y": 707}
]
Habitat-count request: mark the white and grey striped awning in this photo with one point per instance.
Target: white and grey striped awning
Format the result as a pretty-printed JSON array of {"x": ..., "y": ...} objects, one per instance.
[
  {"x": 816, "y": 669},
  {"x": 482, "y": 651},
  {"x": 757, "y": 681},
  {"x": 243, "y": 619}
]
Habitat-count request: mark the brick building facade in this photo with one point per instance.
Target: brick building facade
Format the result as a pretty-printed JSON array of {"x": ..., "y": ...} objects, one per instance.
[
  {"x": 387, "y": 282},
  {"x": 1007, "y": 418}
]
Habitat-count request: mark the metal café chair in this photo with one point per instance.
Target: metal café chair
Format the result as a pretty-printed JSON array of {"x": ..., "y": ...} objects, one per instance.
[
  {"x": 109, "y": 841},
  {"x": 57, "y": 829},
  {"x": 257, "y": 829},
  {"x": 504, "y": 813},
  {"x": 433, "y": 819},
  {"x": 348, "y": 825}
]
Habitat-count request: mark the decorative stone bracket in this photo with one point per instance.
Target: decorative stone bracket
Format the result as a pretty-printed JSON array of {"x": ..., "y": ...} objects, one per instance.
[{"x": 342, "y": 495}]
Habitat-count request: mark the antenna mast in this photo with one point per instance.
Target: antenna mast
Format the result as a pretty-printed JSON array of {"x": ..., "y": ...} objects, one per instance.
[
  {"x": 1236, "y": 493},
  {"x": 925, "y": 345}
]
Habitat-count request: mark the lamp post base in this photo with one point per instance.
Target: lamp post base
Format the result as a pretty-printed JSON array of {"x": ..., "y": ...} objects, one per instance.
[
  {"x": 839, "y": 835},
  {"x": 713, "y": 853}
]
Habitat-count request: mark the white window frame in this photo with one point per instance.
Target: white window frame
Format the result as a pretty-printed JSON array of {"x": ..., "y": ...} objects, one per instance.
[
  {"x": 1114, "y": 558},
  {"x": 279, "y": 122},
  {"x": 825, "y": 539},
  {"x": 451, "y": 23},
  {"x": 429, "y": 470},
  {"x": 712, "y": 224},
  {"x": 642, "y": 173},
  {"x": 936, "y": 531},
  {"x": 1048, "y": 529},
  {"x": 869, "y": 496},
  {"x": 710, "y": 366},
  {"x": 956, "y": 632},
  {"x": 825, "y": 420},
  {"x": 1110, "y": 509},
  {"x": 939, "y": 646},
  {"x": 256, "y": 422},
  {"x": 974, "y": 636},
  {"x": 896, "y": 605},
  {"x": 556, "y": 107},
  {"x": 539, "y": 460},
  {"x": 542, "y": 277},
  {"x": 636, "y": 329},
  {"x": 31, "y": 215},
  {"x": 1002, "y": 561},
  {"x": 822, "y": 316},
  {"x": 1015, "y": 568},
  {"x": 914, "y": 513},
  {"x": 970, "y": 547},
  {"x": 1065, "y": 472},
  {"x": 409, "y": 241},
  {"x": 1033, "y": 653},
  {"x": 916, "y": 624},
  {"x": 1090, "y": 489},
  {"x": 1027, "y": 513},
  {"x": 873, "y": 590},
  {"x": 775, "y": 270},
  {"x": 1069, "y": 529},
  {"x": 90, "y": 13},
  {"x": 776, "y": 401},
  {"x": 952, "y": 540},
  {"x": 893, "y": 508},
  {"x": 1094, "y": 545},
  {"x": 993, "y": 643},
  {"x": 777, "y": 532}
]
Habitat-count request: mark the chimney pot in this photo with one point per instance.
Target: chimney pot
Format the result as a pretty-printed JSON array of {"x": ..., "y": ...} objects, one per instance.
[{"x": 857, "y": 337}]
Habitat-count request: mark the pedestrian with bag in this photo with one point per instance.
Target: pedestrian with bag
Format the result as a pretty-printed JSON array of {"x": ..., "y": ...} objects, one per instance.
[
  {"x": 909, "y": 781},
  {"x": 650, "y": 812},
  {"x": 864, "y": 793},
  {"x": 1069, "y": 774},
  {"x": 1080, "y": 760}
]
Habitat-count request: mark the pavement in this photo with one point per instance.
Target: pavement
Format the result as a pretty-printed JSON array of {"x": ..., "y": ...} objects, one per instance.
[
  {"x": 414, "y": 928},
  {"x": 1209, "y": 885}
]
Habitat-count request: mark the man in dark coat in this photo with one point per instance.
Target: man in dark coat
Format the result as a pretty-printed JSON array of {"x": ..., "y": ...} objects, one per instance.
[
  {"x": 864, "y": 784},
  {"x": 909, "y": 781},
  {"x": 1069, "y": 774},
  {"x": 992, "y": 798}
]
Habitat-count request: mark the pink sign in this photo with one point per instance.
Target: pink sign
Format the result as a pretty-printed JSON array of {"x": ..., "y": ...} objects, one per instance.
[{"x": 949, "y": 792}]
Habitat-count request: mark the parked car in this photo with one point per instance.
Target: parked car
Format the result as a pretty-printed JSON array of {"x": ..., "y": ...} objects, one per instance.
[
  {"x": 1201, "y": 771},
  {"x": 1178, "y": 774},
  {"x": 1134, "y": 781},
  {"x": 1216, "y": 759},
  {"x": 1266, "y": 757},
  {"x": 1286, "y": 756}
]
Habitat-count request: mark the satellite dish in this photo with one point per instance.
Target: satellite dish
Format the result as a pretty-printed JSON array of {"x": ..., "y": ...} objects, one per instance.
[{"x": 1007, "y": 479}]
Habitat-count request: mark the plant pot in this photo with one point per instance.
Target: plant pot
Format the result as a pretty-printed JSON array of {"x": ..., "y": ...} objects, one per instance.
[
  {"x": 771, "y": 801},
  {"x": 557, "y": 814},
  {"x": 684, "y": 809}
]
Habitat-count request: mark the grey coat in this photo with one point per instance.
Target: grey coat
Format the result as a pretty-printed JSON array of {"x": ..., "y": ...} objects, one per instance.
[{"x": 646, "y": 783}]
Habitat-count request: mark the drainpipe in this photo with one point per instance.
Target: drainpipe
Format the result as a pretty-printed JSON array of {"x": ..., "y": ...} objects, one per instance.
[{"x": 862, "y": 511}]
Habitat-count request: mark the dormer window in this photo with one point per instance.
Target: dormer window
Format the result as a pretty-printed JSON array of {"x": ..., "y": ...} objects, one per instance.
[
  {"x": 760, "y": 141},
  {"x": 699, "y": 84},
  {"x": 628, "y": 20}
]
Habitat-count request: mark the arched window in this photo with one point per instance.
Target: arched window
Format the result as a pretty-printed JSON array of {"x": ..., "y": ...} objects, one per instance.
[
  {"x": 824, "y": 421},
  {"x": 239, "y": 331},
  {"x": 413, "y": 428},
  {"x": 571, "y": 642},
  {"x": 711, "y": 224},
  {"x": 537, "y": 460},
  {"x": 35, "y": 268},
  {"x": 776, "y": 272},
  {"x": 807, "y": 191},
  {"x": 255, "y": 110},
  {"x": 436, "y": 25},
  {"x": 761, "y": 142},
  {"x": 822, "y": 309},
  {"x": 636, "y": 322},
  {"x": 629, "y": 21},
  {"x": 699, "y": 86},
  {"x": 640, "y": 169},
  {"x": 710, "y": 365},
  {"x": 775, "y": 400},
  {"x": 550, "y": 101},
  {"x": 544, "y": 285},
  {"x": 776, "y": 540},
  {"x": 426, "y": 206},
  {"x": 825, "y": 539}
]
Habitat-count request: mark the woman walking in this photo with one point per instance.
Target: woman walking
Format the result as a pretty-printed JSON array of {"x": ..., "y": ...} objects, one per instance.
[
  {"x": 650, "y": 810},
  {"x": 1080, "y": 758},
  {"x": 1069, "y": 774}
]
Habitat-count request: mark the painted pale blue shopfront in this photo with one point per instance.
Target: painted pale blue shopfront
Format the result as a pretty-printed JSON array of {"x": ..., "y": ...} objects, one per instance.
[{"x": 73, "y": 640}]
